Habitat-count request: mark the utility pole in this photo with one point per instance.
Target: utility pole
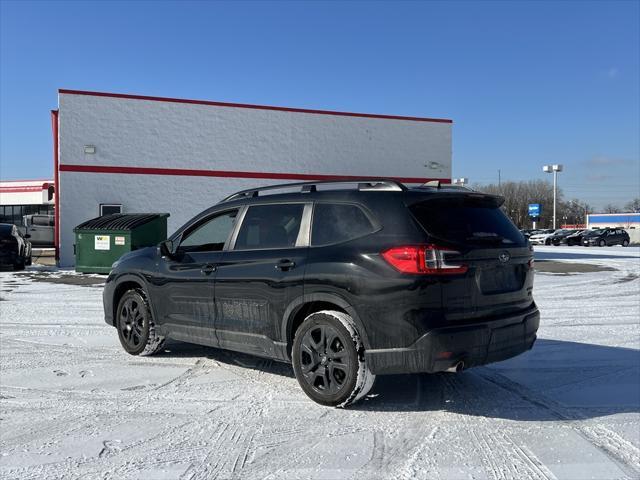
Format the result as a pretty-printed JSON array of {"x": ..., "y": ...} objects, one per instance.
[{"x": 499, "y": 179}]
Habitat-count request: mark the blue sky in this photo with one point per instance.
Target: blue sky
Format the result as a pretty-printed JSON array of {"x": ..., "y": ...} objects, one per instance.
[{"x": 526, "y": 83}]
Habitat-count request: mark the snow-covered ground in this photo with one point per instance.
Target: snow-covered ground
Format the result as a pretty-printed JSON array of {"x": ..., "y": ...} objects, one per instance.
[{"x": 74, "y": 405}]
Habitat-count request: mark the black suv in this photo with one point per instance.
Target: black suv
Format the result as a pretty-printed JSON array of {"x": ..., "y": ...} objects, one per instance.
[
  {"x": 15, "y": 249},
  {"x": 344, "y": 283},
  {"x": 606, "y": 237}
]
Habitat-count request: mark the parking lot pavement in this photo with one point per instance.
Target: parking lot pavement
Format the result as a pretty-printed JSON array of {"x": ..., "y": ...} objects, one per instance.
[{"x": 73, "y": 404}]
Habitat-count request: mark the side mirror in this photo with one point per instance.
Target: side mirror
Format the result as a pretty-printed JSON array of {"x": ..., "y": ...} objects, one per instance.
[
  {"x": 27, "y": 236},
  {"x": 168, "y": 248}
]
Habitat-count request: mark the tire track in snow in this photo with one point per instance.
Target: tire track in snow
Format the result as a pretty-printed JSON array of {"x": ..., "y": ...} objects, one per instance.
[
  {"x": 501, "y": 457},
  {"x": 623, "y": 453}
]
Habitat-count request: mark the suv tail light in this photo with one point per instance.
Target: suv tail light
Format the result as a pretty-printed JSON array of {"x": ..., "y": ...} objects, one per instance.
[{"x": 423, "y": 259}]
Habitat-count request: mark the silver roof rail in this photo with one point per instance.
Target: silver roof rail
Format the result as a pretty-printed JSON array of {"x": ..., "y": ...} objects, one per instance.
[
  {"x": 363, "y": 185},
  {"x": 439, "y": 185}
]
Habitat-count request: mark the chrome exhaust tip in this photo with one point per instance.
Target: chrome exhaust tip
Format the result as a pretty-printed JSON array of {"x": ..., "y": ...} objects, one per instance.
[{"x": 458, "y": 367}]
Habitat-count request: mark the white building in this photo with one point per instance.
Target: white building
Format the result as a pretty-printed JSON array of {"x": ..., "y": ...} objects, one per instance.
[
  {"x": 147, "y": 154},
  {"x": 25, "y": 197}
]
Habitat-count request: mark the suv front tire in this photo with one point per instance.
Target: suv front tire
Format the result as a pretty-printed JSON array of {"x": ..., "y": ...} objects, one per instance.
[{"x": 328, "y": 359}]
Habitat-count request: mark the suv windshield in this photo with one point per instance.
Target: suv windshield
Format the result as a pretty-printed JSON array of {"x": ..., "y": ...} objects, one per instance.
[{"x": 468, "y": 221}]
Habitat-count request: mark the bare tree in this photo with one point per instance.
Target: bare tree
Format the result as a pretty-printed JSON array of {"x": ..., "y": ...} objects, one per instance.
[
  {"x": 518, "y": 196},
  {"x": 633, "y": 205},
  {"x": 574, "y": 212},
  {"x": 610, "y": 208}
]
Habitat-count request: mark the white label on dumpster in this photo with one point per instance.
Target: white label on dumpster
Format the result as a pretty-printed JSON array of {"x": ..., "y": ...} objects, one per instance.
[
  {"x": 102, "y": 242},
  {"x": 119, "y": 241}
]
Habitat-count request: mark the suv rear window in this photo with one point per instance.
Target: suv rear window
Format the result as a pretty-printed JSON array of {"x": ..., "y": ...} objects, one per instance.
[
  {"x": 40, "y": 220},
  {"x": 270, "y": 226},
  {"x": 335, "y": 223},
  {"x": 467, "y": 221}
]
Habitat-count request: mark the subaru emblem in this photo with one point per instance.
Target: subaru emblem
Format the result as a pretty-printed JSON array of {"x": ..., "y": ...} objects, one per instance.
[{"x": 504, "y": 257}]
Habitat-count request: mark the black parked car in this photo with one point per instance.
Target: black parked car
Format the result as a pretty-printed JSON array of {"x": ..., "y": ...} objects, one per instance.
[
  {"x": 344, "y": 283},
  {"x": 560, "y": 236},
  {"x": 15, "y": 249},
  {"x": 606, "y": 237},
  {"x": 575, "y": 238}
]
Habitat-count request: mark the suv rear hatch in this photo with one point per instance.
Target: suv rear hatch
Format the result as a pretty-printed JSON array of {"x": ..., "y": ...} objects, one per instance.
[{"x": 476, "y": 233}]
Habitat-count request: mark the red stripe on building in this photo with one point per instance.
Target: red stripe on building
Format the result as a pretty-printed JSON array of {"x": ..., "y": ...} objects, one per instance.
[
  {"x": 251, "y": 106},
  {"x": 231, "y": 174}
]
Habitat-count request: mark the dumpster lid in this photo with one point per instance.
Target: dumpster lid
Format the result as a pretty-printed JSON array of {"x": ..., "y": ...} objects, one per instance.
[{"x": 119, "y": 221}]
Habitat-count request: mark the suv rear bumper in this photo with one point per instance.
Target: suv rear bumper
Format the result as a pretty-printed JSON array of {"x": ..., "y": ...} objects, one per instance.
[{"x": 474, "y": 344}]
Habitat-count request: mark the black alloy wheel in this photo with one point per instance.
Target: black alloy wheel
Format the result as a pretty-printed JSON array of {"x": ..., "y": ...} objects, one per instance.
[
  {"x": 328, "y": 360},
  {"x": 133, "y": 323},
  {"x": 324, "y": 360}
]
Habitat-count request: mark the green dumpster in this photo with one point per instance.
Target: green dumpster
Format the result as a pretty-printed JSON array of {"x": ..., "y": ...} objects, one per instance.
[{"x": 103, "y": 240}]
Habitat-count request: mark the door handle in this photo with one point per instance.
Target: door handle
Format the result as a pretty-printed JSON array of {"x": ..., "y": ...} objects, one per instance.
[
  {"x": 208, "y": 269},
  {"x": 285, "y": 265}
]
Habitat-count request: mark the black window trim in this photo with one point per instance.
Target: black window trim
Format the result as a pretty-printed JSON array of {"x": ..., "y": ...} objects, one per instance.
[
  {"x": 204, "y": 219},
  {"x": 303, "y": 239},
  {"x": 377, "y": 226}
]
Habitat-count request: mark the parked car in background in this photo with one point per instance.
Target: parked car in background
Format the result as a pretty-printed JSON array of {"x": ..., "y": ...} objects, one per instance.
[
  {"x": 346, "y": 284},
  {"x": 575, "y": 238},
  {"x": 40, "y": 228},
  {"x": 559, "y": 236},
  {"x": 15, "y": 249},
  {"x": 527, "y": 232},
  {"x": 606, "y": 237},
  {"x": 541, "y": 237}
]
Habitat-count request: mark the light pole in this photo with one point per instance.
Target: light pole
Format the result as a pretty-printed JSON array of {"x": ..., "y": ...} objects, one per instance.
[{"x": 553, "y": 169}]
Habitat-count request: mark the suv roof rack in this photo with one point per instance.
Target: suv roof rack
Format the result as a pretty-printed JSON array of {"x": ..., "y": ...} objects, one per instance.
[
  {"x": 438, "y": 184},
  {"x": 364, "y": 185}
]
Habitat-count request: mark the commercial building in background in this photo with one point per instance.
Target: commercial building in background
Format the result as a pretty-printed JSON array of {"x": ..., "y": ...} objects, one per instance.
[
  {"x": 25, "y": 197},
  {"x": 628, "y": 221},
  {"x": 625, "y": 220},
  {"x": 138, "y": 154}
]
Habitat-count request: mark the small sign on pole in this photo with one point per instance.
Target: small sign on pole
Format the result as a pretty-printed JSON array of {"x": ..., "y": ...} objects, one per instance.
[{"x": 534, "y": 210}]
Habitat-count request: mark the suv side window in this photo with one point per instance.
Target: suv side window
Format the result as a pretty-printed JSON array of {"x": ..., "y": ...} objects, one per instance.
[
  {"x": 270, "y": 226},
  {"x": 338, "y": 222},
  {"x": 40, "y": 220},
  {"x": 209, "y": 235}
]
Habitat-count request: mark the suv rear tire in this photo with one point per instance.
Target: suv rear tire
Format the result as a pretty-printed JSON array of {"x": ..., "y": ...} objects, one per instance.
[
  {"x": 136, "y": 329},
  {"x": 625, "y": 243},
  {"x": 328, "y": 359}
]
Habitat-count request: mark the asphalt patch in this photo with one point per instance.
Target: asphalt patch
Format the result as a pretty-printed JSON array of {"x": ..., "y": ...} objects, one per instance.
[
  {"x": 81, "y": 280},
  {"x": 568, "y": 268}
]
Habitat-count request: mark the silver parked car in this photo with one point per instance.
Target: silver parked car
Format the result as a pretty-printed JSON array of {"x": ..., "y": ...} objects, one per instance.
[{"x": 40, "y": 228}]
